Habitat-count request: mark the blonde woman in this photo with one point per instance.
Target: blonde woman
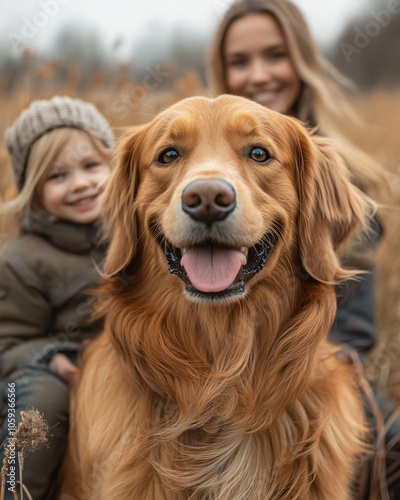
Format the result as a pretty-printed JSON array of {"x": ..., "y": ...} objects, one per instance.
[{"x": 60, "y": 153}]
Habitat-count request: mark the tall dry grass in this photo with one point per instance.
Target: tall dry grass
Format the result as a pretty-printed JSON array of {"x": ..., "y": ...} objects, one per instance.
[
  {"x": 380, "y": 137},
  {"x": 126, "y": 102}
]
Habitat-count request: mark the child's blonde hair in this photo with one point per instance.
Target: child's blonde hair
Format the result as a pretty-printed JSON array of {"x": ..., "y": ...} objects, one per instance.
[
  {"x": 321, "y": 100},
  {"x": 41, "y": 158}
]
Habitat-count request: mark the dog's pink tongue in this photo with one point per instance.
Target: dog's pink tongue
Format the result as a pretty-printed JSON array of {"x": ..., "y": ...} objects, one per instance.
[{"x": 212, "y": 269}]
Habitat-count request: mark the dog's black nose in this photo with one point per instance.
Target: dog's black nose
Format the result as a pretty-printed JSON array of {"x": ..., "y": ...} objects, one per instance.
[{"x": 208, "y": 200}]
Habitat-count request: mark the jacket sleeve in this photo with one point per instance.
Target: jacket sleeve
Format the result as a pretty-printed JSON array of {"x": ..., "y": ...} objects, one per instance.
[
  {"x": 25, "y": 312},
  {"x": 355, "y": 322}
]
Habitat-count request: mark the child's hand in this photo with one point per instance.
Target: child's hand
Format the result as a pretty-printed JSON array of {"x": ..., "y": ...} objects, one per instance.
[{"x": 63, "y": 366}]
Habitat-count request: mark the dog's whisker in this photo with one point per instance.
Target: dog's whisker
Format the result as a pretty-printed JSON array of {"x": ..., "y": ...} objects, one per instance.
[
  {"x": 142, "y": 103},
  {"x": 147, "y": 115}
]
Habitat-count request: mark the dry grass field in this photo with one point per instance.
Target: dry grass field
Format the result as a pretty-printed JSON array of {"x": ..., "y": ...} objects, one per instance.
[{"x": 125, "y": 102}]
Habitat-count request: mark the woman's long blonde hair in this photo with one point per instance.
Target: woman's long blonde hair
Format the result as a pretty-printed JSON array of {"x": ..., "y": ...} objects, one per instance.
[
  {"x": 42, "y": 156},
  {"x": 321, "y": 101}
]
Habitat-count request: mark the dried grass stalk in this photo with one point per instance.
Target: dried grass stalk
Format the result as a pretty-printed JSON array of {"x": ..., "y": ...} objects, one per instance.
[{"x": 31, "y": 433}]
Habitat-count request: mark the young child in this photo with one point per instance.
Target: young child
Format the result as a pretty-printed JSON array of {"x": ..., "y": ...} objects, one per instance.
[{"x": 60, "y": 153}]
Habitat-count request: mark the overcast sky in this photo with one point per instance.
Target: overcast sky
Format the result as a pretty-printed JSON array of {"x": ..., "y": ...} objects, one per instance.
[{"x": 39, "y": 21}]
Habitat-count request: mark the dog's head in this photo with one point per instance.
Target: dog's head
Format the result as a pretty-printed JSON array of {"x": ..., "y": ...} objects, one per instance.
[{"x": 220, "y": 192}]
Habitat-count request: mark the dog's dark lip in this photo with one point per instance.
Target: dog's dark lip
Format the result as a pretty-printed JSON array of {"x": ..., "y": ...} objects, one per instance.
[{"x": 257, "y": 257}]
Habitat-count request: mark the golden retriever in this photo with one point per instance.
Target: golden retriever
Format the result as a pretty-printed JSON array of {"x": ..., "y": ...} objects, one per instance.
[{"x": 213, "y": 378}]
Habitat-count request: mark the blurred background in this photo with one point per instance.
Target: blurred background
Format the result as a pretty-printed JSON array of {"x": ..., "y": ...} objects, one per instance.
[{"x": 133, "y": 58}]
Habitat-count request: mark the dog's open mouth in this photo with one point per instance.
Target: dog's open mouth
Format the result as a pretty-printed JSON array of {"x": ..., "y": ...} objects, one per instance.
[{"x": 213, "y": 271}]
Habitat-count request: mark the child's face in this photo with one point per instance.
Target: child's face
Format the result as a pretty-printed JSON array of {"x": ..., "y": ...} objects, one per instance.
[
  {"x": 257, "y": 63},
  {"x": 75, "y": 181}
]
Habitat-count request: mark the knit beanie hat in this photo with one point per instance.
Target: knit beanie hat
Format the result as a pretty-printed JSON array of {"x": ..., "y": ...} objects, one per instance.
[{"x": 41, "y": 117}]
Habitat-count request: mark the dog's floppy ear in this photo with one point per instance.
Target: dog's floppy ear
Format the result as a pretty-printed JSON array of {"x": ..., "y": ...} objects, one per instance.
[
  {"x": 120, "y": 222},
  {"x": 331, "y": 207}
]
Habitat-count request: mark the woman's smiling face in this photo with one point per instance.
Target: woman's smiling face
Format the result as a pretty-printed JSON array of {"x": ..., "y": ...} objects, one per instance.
[{"x": 257, "y": 63}]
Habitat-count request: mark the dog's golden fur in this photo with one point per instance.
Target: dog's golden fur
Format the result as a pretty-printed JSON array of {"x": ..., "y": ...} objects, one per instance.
[{"x": 234, "y": 398}]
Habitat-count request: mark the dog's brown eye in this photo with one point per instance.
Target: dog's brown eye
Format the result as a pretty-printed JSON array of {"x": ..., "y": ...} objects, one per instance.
[
  {"x": 260, "y": 155},
  {"x": 168, "y": 156}
]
